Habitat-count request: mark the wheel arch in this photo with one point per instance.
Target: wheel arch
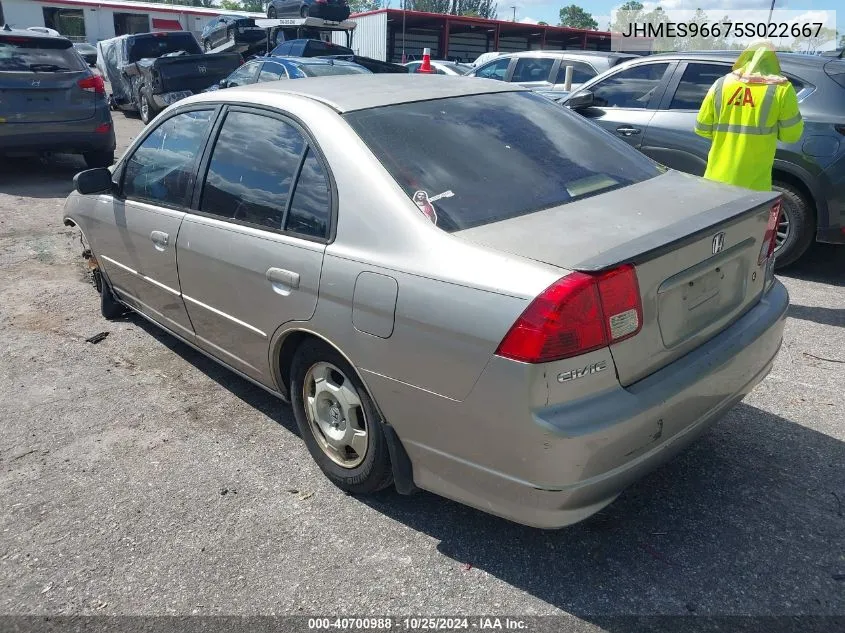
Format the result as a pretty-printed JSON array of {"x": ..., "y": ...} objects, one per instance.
[{"x": 803, "y": 182}]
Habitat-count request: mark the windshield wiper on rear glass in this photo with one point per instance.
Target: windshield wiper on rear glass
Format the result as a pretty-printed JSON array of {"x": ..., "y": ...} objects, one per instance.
[{"x": 47, "y": 68}]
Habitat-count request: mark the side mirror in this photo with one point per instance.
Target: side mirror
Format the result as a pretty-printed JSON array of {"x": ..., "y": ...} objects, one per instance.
[
  {"x": 580, "y": 101},
  {"x": 90, "y": 181}
]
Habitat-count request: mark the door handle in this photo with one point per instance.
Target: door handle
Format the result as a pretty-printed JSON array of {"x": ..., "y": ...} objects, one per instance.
[
  {"x": 159, "y": 239},
  {"x": 627, "y": 130},
  {"x": 283, "y": 280}
]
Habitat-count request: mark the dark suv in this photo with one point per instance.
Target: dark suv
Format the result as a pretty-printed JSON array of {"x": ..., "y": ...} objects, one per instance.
[
  {"x": 51, "y": 101},
  {"x": 232, "y": 28},
  {"x": 652, "y": 103},
  {"x": 335, "y": 10}
]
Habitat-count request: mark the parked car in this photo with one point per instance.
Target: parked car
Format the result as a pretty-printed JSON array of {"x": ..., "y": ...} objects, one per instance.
[
  {"x": 51, "y": 101},
  {"x": 232, "y": 28},
  {"x": 546, "y": 70},
  {"x": 336, "y": 10},
  {"x": 523, "y": 332},
  {"x": 87, "y": 51},
  {"x": 318, "y": 48},
  {"x": 149, "y": 71},
  {"x": 44, "y": 30},
  {"x": 440, "y": 67},
  {"x": 652, "y": 104},
  {"x": 278, "y": 68},
  {"x": 484, "y": 58}
]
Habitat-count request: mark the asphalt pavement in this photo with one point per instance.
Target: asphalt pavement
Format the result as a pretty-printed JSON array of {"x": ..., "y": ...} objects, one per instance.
[{"x": 138, "y": 477}]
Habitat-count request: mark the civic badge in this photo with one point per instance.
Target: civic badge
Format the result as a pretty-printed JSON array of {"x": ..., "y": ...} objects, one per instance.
[{"x": 718, "y": 242}]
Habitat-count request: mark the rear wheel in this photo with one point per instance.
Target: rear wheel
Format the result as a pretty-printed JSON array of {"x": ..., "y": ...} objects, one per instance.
[
  {"x": 271, "y": 12},
  {"x": 303, "y": 11},
  {"x": 797, "y": 225},
  {"x": 145, "y": 108},
  {"x": 206, "y": 45},
  {"x": 99, "y": 159},
  {"x": 338, "y": 421}
]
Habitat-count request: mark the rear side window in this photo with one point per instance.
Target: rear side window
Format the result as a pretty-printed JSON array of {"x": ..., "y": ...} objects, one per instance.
[
  {"x": 695, "y": 82},
  {"x": 33, "y": 54},
  {"x": 469, "y": 161},
  {"x": 318, "y": 48},
  {"x": 581, "y": 72},
  {"x": 324, "y": 70},
  {"x": 252, "y": 171},
  {"x": 309, "y": 209},
  {"x": 630, "y": 88},
  {"x": 162, "y": 167},
  {"x": 532, "y": 69}
]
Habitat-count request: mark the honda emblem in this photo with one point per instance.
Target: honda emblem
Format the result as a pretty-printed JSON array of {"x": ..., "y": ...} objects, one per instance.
[
  {"x": 718, "y": 242},
  {"x": 36, "y": 83}
]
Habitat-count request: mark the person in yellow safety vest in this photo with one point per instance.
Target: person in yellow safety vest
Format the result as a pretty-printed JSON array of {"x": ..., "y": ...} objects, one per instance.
[{"x": 746, "y": 113}]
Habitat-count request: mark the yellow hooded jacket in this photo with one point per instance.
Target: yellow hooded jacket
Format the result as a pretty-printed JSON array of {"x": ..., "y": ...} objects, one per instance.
[{"x": 746, "y": 113}]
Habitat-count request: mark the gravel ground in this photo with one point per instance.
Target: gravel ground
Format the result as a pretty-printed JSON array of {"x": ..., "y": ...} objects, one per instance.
[{"x": 137, "y": 477}]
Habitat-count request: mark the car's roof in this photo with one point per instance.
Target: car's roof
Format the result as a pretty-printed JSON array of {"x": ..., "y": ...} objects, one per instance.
[
  {"x": 813, "y": 61},
  {"x": 346, "y": 93},
  {"x": 569, "y": 53},
  {"x": 310, "y": 61},
  {"x": 36, "y": 35}
]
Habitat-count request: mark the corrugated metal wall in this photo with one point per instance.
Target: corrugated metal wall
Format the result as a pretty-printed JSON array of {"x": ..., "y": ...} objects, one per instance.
[
  {"x": 369, "y": 38},
  {"x": 415, "y": 41}
]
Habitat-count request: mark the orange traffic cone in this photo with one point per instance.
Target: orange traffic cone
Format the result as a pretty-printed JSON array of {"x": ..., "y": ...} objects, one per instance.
[{"x": 425, "y": 67}]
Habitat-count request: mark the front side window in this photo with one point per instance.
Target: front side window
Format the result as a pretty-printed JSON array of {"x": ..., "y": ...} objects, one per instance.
[
  {"x": 581, "y": 72},
  {"x": 532, "y": 69},
  {"x": 252, "y": 170},
  {"x": 494, "y": 70},
  {"x": 526, "y": 153},
  {"x": 162, "y": 168},
  {"x": 272, "y": 72},
  {"x": 245, "y": 75},
  {"x": 695, "y": 83},
  {"x": 630, "y": 88}
]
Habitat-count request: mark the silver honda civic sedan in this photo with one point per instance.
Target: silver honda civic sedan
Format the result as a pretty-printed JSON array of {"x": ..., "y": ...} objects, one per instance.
[{"x": 458, "y": 285}]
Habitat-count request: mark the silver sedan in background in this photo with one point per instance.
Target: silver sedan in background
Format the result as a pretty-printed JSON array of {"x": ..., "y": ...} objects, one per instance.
[{"x": 458, "y": 285}]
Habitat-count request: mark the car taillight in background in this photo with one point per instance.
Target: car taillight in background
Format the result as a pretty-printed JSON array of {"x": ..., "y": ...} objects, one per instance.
[
  {"x": 577, "y": 314},
  {"x": 771, "y": 234},
  {"x": 93, "y": 84}
]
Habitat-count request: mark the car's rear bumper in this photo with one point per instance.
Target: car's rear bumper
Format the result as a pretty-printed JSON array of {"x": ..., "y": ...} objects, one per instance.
[
  {"x": 559, "y": 464},
  {"x": 71, "y": 137}
]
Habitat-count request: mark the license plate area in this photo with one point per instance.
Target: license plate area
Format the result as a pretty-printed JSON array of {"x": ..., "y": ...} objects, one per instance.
[{"x": 696, "y": 300}]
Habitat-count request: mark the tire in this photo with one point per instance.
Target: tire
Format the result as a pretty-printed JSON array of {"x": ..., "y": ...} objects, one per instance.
[
  {"x": 99, "y": 159},
  {"x": 145, "y": 108},
  {"x": 800, "y": 231},
  {"x": 303, "y": 11},
  {"x": 271, "y": 12},
  {"x": 360, "y": 474},
  {"x": 206, "y": 46}
]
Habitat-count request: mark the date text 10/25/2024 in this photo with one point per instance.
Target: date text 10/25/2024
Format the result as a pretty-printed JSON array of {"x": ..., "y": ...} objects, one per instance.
[{"x": 418, "y": 624}]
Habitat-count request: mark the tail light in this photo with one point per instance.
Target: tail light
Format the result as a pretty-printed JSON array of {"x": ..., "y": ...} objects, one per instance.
[
  {"x": 840, "y": 129},
  {"x": 575, "y": 315},
  {"x": 103, "y": 128},
  {"x": 93, "y": 84},
  {"x": 770, "y": 237}
]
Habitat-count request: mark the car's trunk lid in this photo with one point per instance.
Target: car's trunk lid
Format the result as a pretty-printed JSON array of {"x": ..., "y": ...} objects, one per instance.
[
  {"x": 695, "y": 245},
  {"x": 191, "y": 72},
  {"x": 45, "y": 97}
]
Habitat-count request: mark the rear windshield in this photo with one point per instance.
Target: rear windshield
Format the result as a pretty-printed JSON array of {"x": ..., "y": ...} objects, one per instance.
[
  {"x": 22, "y": 54},
  {"x": 322, "y": 70},
  {"x": 245, "y": 23},
  {"x": 484, "y": 158},
  {"x": 316, "y": 48},
  {"x": 158, "y": 45}
]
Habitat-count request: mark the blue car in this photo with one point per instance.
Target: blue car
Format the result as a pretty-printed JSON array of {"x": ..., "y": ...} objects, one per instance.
[{"x": 272, "y": 68}]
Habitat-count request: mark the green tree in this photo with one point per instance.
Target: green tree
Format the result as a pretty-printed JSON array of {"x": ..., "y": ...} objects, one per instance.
[
  {"x": 631, "y": 11},
  {"x": 812, "y": 43},
  {"x": 576, "y": 17},
  {"x": 231, "y": 5},
  {"x": 359, "y": 6},
  {"x": 541, "y": 23}
]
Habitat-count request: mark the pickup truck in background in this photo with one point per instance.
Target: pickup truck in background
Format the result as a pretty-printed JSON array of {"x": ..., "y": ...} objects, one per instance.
[
  {"x": 319, "y": 48},
  {"x": 150, "y": 71}
]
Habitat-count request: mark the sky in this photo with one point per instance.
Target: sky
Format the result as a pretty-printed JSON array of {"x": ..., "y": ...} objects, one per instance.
[{"x": 533, "y": 11}]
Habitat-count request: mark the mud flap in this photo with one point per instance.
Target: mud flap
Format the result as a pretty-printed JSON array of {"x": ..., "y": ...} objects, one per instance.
[{"x": 403, "y": 470}]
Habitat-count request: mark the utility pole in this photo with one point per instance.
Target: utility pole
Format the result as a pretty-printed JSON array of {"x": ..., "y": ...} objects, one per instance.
[
  {"x": 514, "y": 13},
  {"x": 771, "y": 10}
]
